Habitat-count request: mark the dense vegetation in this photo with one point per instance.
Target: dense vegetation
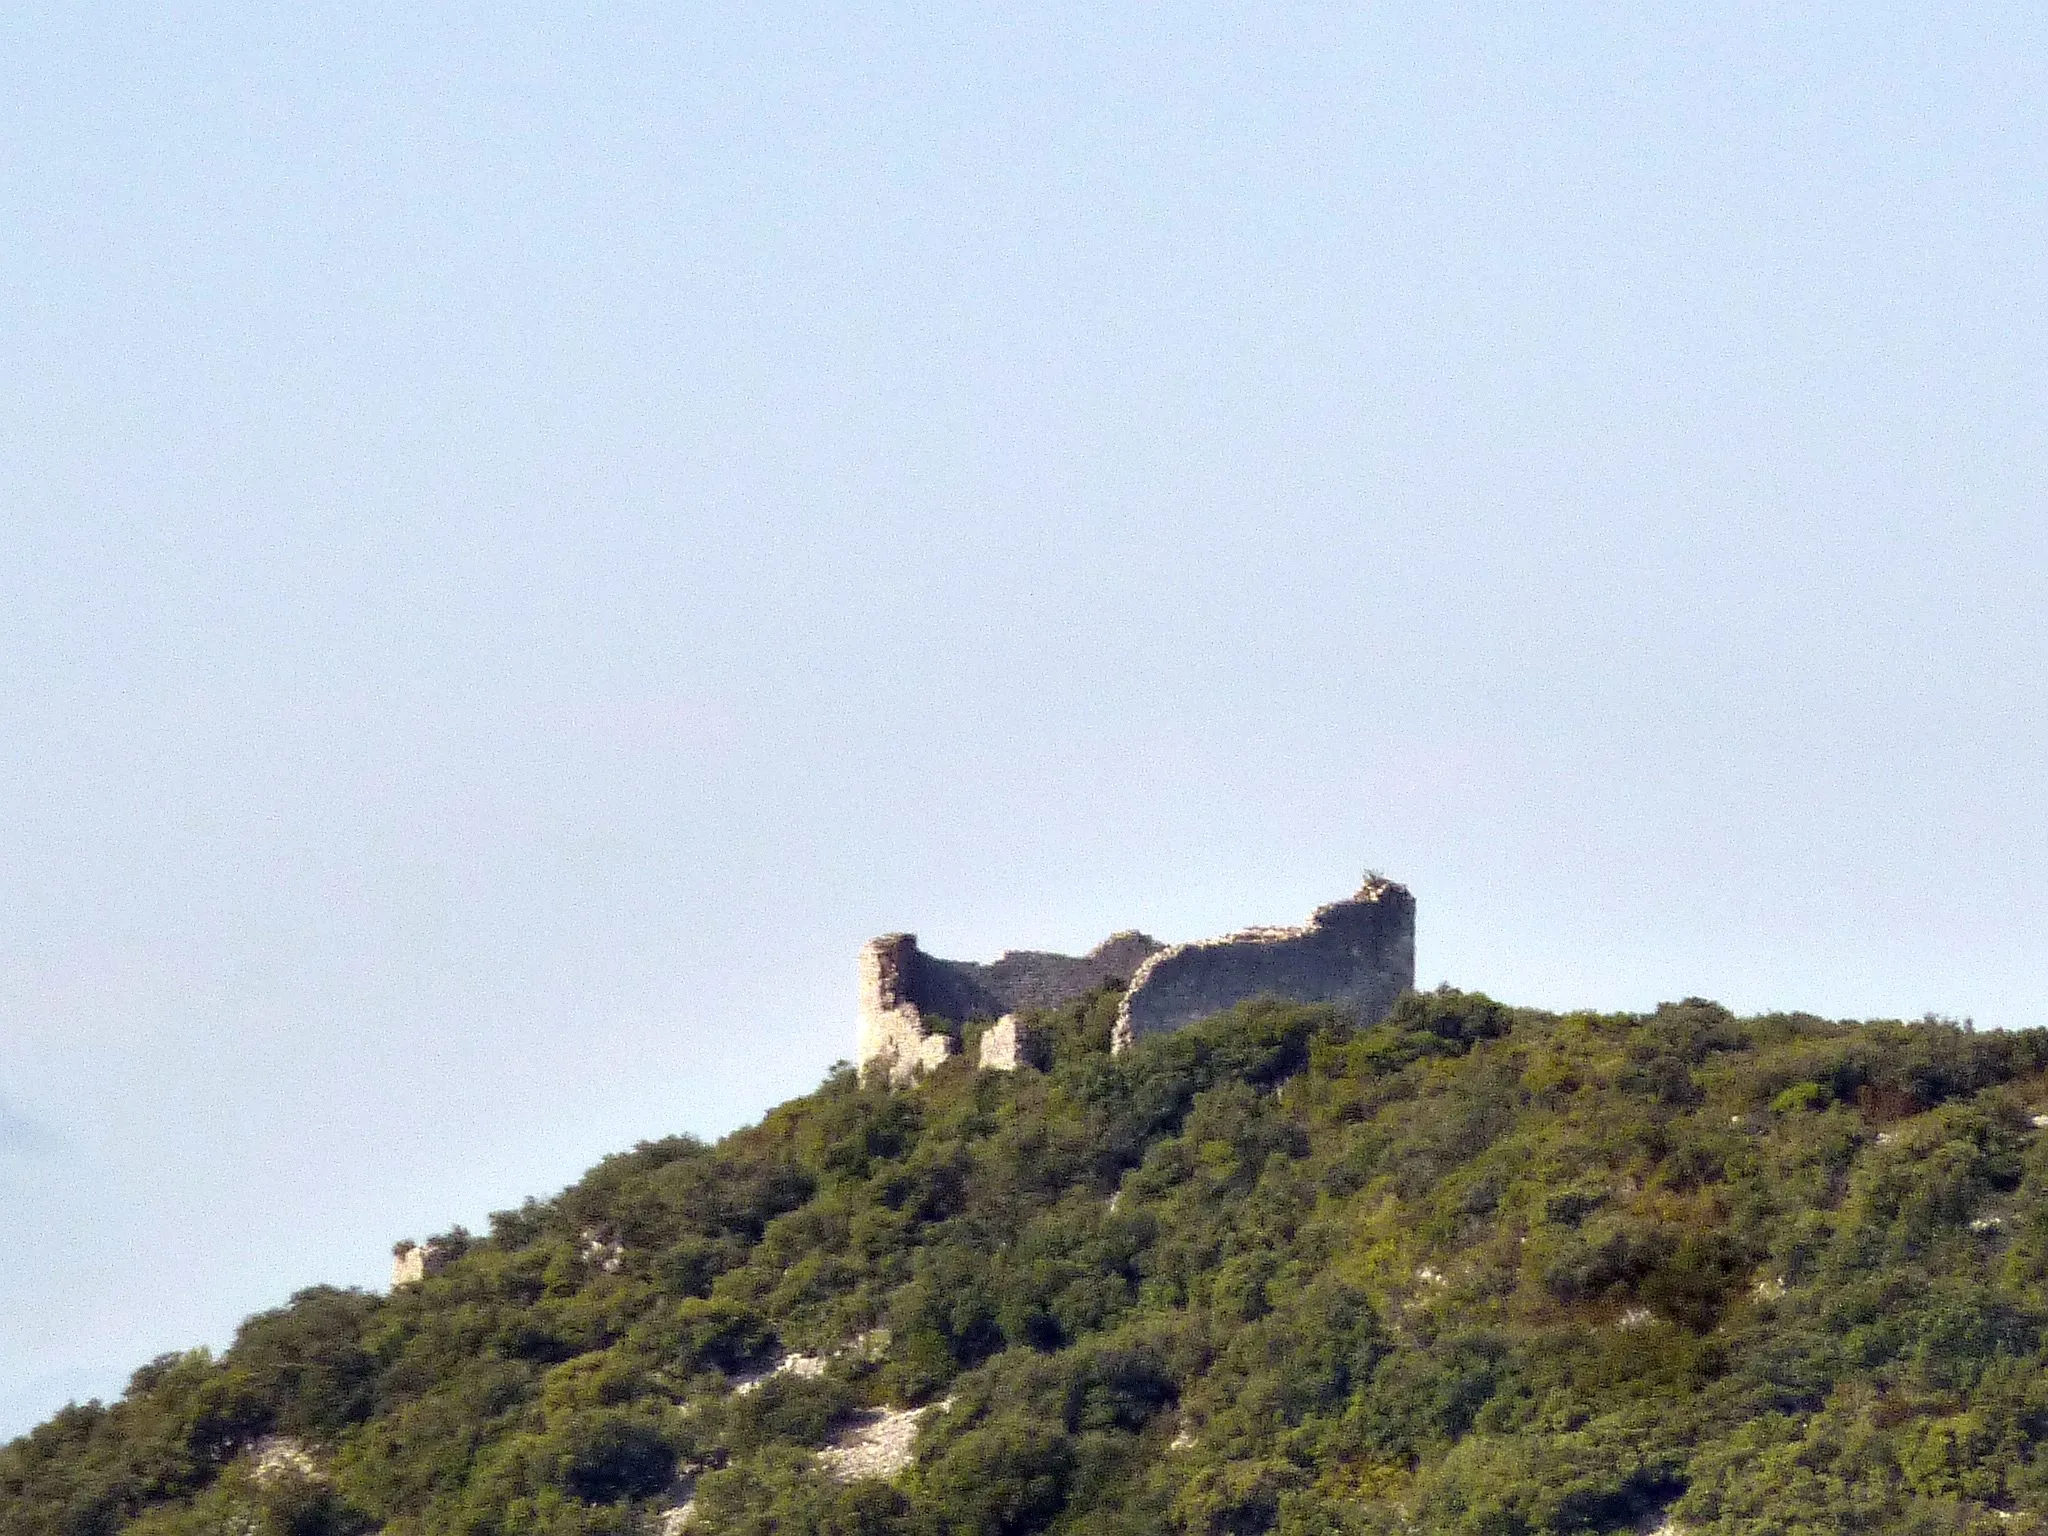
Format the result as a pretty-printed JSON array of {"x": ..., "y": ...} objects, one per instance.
[{"x": 1474, "y": 1270}]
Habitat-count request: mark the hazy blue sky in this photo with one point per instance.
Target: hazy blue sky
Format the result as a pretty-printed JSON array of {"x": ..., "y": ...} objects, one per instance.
[{"x": 526, "y": 535}]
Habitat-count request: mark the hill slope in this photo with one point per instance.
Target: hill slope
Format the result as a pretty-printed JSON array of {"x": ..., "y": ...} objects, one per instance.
[{"x": 1471, "y": 1270}]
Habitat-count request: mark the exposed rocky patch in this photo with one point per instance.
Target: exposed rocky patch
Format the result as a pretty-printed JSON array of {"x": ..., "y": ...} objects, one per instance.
[
  {"x": 280, "y": 1456},
  {"x": 604, "y": 1254},
  {"x": 788, "y": 1365},
  {"x": 877, "y": 1444}
]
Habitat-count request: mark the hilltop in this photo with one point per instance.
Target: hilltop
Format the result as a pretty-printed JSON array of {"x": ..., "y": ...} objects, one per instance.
[{"x": 1469, "y": 1269}]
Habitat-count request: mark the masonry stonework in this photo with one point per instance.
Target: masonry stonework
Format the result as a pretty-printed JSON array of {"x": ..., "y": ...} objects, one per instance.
[
  {"x": 902, "y": 988},
  {"x": 893, "y": 1040},
  {"x": 1008, "y": 1044},
  {"x": 413, "y": 1262},
  {"x": 1358, "y": 954}
]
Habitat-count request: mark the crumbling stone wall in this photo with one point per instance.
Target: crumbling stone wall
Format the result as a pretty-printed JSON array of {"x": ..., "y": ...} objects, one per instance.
[
  {"x": 1358, "y": 954},
  {"x": 1010, "y": 1043},
  {"x": 413, "y": 1262},
  {"x": 893, "y": 1039},
  {"x": 901, "y": 987},
  {"x": 1024, "y": 978}
]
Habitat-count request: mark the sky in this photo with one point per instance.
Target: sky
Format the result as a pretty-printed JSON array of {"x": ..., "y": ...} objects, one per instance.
[{"x": 527, "y": 533}]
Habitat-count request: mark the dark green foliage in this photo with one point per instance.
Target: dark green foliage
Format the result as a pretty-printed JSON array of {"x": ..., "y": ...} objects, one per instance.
[
  {"x": 791, "y": 1409},
  {"x": 780, "y": 1492},
  {"x": 1082, "y": 1030},
  {"x": 309, "y": 1360},
  {"x": 613, "y": 1454},
  {"x": 1470, "y": 1270}
]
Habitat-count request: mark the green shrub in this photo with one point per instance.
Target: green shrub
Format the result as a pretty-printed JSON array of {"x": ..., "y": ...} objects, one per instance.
[{"x": 1470, "y": 1269}]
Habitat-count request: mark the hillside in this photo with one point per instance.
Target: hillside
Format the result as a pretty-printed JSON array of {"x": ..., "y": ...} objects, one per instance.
[{"x": 1474, "y": 1269}]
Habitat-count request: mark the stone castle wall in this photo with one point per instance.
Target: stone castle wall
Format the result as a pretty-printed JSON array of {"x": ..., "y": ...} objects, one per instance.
[
  {"x": 413, "y": 1262},
  {"x": 1359, "y": 954},
  {"x": 901, "y": 987},
  {"x": 1010, "y": 1043},
  {"x": 893, "y": 1038}
]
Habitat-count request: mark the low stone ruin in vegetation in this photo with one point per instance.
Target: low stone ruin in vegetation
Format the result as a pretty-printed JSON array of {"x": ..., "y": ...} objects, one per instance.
[{"x": 413, "y": 1262}]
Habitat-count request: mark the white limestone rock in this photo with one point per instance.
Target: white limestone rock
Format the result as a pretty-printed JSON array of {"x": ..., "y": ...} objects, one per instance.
[{"x": 877, "y": 1444}]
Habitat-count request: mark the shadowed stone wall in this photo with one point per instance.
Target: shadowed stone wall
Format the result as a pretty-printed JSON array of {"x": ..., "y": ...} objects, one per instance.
[
  {"x": 1010, "y": 1043},
  {"x": 893, "y": 1039},
  {"x": 901, "y": 986},
  {"x": 1023, "y": 978},
  {"x": 1358, "y": 954},
  {"x": 413, "y": 1262}
]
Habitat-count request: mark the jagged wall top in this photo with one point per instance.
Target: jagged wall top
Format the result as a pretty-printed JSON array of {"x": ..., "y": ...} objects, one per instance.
[
  {"x": 1358, "y": 953},
  {"x": 900, "y": 985}
]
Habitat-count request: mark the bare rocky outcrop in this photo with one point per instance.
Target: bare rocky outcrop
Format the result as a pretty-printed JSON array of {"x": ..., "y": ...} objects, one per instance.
[
  {"x": 877, "y": 1444},
  {"x": 904, "y": 991},
  {"x": 1358, "y": 954},
  {"x": 678, "y": 1509},
  {"x": 277, "y": 1457},
  {"x": 606, "y": 1255},
  {"x": 808, "y": 1366},
  {"x": 676, "y": 1518}
]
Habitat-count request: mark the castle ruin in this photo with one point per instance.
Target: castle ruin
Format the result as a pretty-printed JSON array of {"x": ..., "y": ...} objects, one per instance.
[
  {"x": 1358, "y": 954},
  {"x": 413, "y": 1262}
]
